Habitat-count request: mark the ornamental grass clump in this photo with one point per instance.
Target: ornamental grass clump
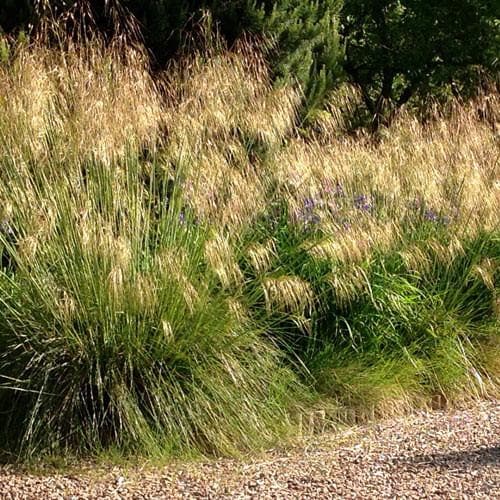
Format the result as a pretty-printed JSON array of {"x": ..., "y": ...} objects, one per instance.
[
  {"x": 114, "y": 332},
  {"x": 185, "y": 270}
]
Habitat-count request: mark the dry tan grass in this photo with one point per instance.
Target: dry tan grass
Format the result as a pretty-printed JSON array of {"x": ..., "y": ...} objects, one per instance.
[
  {"x": 219, "y": 126},
  {"x": 226, "y": 107},
  {"x": 218, "y": 112},
  {"x": 219, "y": 121},
  {"x": 88, "y": 102}
]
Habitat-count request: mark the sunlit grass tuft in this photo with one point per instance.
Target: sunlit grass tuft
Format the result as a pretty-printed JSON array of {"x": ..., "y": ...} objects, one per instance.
[{"x": 186, "y": 271}]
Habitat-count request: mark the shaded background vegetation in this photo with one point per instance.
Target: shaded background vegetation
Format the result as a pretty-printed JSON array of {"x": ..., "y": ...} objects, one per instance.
[{"x": 394, "y": 51}]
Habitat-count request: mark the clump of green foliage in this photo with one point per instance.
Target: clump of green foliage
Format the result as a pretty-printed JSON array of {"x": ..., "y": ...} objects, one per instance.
[
  {"x": 400, "y": 49},
  {"x": 114, "y": 332},
  {"x": 183, "y": 272}
]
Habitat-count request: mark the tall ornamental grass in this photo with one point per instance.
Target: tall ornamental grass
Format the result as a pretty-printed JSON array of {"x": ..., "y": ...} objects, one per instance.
[
  {"x": 185, "y": 270},
  {"x": 114, "y": 332}
]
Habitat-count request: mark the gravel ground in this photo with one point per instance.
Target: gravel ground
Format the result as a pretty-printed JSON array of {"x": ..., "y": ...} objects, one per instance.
[{"x": 426, "y": 455}]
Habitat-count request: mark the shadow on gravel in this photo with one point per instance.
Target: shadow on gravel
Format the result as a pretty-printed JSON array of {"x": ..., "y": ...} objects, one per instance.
[{"x": 457, "y": 459}]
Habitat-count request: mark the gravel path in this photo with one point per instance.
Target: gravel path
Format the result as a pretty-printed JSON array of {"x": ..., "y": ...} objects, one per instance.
[{"x": 427, "y": 455}]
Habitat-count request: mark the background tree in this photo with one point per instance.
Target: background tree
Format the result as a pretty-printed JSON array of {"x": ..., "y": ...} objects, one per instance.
[
  {"x": 15, "y": 15},
  {"x": 393, "y": 50},
  {"x": 308, "y": 47},
  {"x": 396, "y": 49}
]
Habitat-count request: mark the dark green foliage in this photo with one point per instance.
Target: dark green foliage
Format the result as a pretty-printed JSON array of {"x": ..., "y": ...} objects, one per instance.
[
  {"x": 308, "y": 46},
  {"x": 396, "y": 49},
  {"x": 164, "y": 23},
  {"x": 127, "y": 338},
  {"x": 400, "y": 334},
  {"x": 419, "y": 333},
  {"x": 15, "y": 14},
  {"x": 130, "y": 372}
]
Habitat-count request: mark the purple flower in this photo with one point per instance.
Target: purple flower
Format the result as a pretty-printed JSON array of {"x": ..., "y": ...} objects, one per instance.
[
  {"x": 309, "y": 204},
  {"x": 307, "y": 217},
  {"x": 362, "y": 202},
  {"x": 430, "y": 215}
]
